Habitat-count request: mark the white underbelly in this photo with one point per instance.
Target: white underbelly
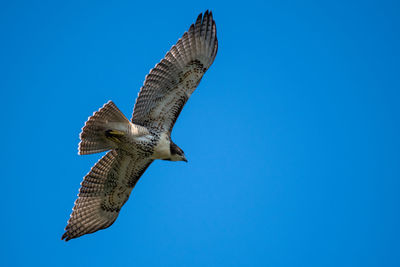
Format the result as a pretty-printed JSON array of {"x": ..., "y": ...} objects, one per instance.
[{"x": 162, "y": 149}]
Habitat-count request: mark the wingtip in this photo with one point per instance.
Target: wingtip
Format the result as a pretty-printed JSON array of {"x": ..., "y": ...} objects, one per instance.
[
  {"x": 65, "y": 237},
  {"x": 208, "y": 15}
]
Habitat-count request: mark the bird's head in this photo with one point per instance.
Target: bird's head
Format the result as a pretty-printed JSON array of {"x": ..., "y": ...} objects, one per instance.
[{"x": 177, "y": 153}]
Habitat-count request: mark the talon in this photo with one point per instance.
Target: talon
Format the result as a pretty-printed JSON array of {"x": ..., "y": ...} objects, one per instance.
[
  {"x": 115, "y": 132},
  {"x": 114, "y": 135}
]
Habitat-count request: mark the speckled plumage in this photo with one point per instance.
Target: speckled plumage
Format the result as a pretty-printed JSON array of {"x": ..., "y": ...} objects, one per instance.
[{"x": 135, "y": 144}]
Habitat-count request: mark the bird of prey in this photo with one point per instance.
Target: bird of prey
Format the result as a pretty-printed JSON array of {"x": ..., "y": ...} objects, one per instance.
[{"x": 133, "y": 145}]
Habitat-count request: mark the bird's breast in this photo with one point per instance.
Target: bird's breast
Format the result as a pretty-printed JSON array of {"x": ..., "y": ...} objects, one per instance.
[{"x": 162, "y": 149}]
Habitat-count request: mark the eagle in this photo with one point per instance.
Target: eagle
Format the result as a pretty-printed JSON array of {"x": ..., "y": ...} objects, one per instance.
[{"x": 134, "y": 144}]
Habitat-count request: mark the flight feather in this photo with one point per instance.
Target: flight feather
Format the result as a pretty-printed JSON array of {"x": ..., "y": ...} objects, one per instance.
[
  {"x": 170, "y": 83},
  {"x": 104, "y": 191}
]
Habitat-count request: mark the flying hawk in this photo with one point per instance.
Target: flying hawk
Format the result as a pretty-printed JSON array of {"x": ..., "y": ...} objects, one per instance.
[{"x": 135, "y": 144}]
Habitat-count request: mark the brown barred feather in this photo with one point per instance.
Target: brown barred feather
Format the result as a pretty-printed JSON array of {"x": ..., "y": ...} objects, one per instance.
[
  {"x": 104, "y": 191},
  {"x": 170, "y": 83}
]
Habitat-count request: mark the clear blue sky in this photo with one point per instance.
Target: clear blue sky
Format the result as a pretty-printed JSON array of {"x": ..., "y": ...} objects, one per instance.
[{"x": 292, "y": 136}]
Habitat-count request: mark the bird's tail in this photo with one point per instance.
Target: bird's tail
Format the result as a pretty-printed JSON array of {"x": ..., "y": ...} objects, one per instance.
[{"x": 100, "y": 132}]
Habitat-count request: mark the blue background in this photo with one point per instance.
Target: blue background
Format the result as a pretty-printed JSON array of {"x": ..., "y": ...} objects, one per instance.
[{"x": 292, "y": 136}]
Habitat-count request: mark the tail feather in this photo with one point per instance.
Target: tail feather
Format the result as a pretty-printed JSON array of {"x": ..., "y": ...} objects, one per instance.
[{"x": 94, "y": 135}]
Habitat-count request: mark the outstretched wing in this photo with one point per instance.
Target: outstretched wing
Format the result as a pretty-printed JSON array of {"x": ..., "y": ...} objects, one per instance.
[
  {"x": 171, "y": 82},
  {"x": 103, "y": 192}
]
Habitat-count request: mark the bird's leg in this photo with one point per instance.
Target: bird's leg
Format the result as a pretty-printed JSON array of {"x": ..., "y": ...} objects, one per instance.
[{"x": 114, "y": 135}]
